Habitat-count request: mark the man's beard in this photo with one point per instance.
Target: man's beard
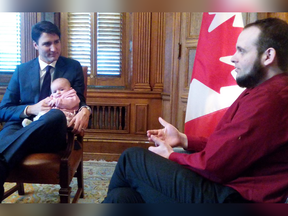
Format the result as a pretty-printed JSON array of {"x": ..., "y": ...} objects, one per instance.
[{"x": 253, "y": 78}]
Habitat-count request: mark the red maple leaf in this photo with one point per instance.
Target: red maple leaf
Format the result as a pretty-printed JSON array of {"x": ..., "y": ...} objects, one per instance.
[{"x": 213, "y": 45}]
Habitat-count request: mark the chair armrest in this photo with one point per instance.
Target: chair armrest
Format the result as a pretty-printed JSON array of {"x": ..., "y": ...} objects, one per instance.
[{"x": 70, "y": 139}]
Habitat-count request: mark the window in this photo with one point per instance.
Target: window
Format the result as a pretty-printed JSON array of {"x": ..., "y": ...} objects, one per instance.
[
  {"x": 79, "y": 38},
  {"x": 98, "y": 41},
  {"x": 109, "y": 43},
  {"x": 15, "y": 42},
  {"x": 10, "y": 41}
]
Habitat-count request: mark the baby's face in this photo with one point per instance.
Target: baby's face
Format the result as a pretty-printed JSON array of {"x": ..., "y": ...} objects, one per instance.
[{"x": 59, "y": 88}]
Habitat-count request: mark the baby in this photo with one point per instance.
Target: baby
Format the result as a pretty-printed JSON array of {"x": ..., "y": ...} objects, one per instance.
[{"x": 63, "y": 97}]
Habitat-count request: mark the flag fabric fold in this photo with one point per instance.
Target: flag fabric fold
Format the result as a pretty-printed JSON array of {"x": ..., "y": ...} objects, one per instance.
[{"x": 213, "y": 87}]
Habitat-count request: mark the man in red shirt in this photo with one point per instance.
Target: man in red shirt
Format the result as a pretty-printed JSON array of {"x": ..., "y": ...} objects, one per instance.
[{"x": 244, "y": 160}]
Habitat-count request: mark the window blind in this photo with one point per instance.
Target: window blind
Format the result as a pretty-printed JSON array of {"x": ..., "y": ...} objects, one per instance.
[
  {"x": 10, "y": 41},
  {"x": 109, "y": 43},
  {"x": 79, "y": 38},
  {"x": 105, "y": 40}
]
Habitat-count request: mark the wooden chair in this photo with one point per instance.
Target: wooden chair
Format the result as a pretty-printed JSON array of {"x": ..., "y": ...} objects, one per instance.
[{"x": 53, "y": 168}]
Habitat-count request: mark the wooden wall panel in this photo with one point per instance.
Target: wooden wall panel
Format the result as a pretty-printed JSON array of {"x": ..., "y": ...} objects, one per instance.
[
  {"x": 191, "y": 24},
  {"x": 157, "y": 52},
  {"x": 26, "y": 40},
  {"x": 141, "y": 118},
  {"x": 166, "y": 107},
  {"x": 142, "y": 111},
  {"x": 171, "y": 67},
  {"x": 280, "y": 15},
  {"x": 141, "y": 51}
]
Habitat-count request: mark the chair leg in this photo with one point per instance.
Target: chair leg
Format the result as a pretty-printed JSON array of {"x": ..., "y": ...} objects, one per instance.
[
  {"x": 65, "y": 195},
  {"x": 20, "y": 188},
  {"x": 80, "y": 190},
  {"x": 80, "y": 178}
]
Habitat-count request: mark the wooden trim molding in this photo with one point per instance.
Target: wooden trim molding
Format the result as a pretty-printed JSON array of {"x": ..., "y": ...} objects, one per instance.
[
  {"x": 157, "y": 51},
  {"x": 141, "y": 118},
  {"x": 29, "y": 19},
  {"x": 141, "y": 51},
  {"x": 136, "y": 111}
]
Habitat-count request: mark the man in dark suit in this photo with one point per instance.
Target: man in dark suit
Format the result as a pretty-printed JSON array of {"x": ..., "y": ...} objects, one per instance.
[{"x": 22, "y": 99}]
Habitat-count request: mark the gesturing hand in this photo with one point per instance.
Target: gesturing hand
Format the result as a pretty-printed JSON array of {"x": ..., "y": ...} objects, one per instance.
[
  {"x": 169, "y": 134},
  {"x": 165, "y": 139},
  {"x": 161, "y": 148}
]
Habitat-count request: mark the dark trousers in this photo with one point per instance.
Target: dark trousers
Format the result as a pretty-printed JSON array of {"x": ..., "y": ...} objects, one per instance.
[
  {"x": 141, "y": 176},
  {"x": 47, "y": 134}
]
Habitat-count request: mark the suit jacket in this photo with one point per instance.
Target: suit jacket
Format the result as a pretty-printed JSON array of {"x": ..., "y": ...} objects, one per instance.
[{"x": 24, "y": 86}]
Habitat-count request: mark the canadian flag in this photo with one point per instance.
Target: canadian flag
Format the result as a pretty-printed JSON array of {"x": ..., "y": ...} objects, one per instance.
[{"x": 213, "y": 87}]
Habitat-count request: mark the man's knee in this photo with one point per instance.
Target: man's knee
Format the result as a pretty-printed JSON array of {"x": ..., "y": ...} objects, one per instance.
[
  {"x": 132, "y": 154},
  {"x": 54, "y": 120},
  {"x": 123, "y": 195},
  {"x": 52, "y": 130},
  {"x": 54, "y": 115},
  {"x": 134, "y": 151}
]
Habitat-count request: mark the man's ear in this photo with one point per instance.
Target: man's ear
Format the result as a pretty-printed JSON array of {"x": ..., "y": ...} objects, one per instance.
[
  {"x": 269, "y": 56},
  {"x": 35, "y": 45}
]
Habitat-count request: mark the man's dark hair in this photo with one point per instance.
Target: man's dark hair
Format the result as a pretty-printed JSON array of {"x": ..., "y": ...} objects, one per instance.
[
  {"x": 44, "y": 27},
  {"x": 274, "y": 33}
]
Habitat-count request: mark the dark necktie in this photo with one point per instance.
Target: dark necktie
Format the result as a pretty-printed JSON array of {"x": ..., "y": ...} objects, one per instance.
[{"x": 45, "y": 91}]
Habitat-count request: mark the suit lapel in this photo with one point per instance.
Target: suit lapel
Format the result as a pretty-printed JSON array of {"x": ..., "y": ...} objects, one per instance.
[
  {"x": 60, "y": 68},
  {"x": 35, "y": 73}
]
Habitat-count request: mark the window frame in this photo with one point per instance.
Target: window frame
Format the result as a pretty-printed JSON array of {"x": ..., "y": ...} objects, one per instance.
[{"x": 99, "y": 81}]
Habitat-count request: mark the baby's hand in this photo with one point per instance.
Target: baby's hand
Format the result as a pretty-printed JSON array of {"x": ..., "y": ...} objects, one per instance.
[
  {"x": 51, "y": 103},
  {"x": 47, "y": 100}
]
